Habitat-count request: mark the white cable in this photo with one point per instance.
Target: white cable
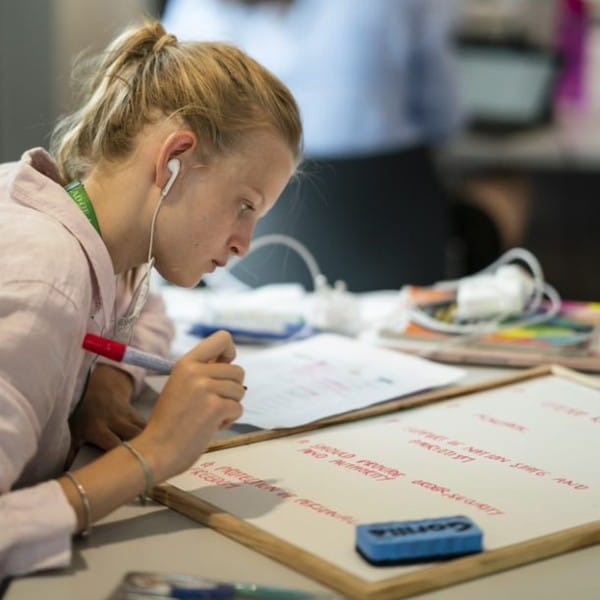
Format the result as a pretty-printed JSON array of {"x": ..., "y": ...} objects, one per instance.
[
  {"x": 290, "y": 242},
  {"x": 467, "y": 338},
  {"x": 530, "y": 311},
  {"x": 509, "y": 256},
  {"x": 124, "y": 325},
  {"x": 152, "y": 226},
  {"x": 332, "y": 308}
]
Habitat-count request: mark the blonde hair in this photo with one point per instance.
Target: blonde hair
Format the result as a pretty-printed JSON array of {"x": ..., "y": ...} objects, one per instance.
[{"x": 145, "y": 75}]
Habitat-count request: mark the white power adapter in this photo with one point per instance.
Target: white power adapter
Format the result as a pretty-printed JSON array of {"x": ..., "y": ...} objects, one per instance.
[
  {"x": 335, "y": 308},
  {"x": 505, "y": 292}
]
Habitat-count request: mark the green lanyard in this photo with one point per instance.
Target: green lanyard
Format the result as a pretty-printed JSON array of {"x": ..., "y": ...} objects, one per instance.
[{"x": 76, "y": 190}]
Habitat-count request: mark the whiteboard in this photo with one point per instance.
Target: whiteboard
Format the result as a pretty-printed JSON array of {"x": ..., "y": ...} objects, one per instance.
[{"x": 519, "y": 458}]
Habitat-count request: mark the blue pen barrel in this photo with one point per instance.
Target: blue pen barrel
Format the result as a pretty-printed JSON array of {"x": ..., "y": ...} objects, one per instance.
[{"x": 151, "y": 362}]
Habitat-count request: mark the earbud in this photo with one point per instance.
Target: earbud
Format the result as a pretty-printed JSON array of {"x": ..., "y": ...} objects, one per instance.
[{"x": 173, "y": 165}]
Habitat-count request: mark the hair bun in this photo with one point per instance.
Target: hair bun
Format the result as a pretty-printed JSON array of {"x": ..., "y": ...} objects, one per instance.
[{"x": 167, "y": 39}]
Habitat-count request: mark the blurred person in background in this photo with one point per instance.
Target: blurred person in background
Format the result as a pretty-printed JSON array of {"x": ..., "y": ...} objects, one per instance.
[{"x": 377, "y": 89}]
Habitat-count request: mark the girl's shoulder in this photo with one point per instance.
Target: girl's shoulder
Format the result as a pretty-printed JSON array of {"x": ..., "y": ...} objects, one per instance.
[{"x": 38, "y": 249}]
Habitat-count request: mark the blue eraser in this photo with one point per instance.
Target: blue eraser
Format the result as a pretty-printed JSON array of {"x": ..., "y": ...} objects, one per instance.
[{"x": 398, "y": 542}]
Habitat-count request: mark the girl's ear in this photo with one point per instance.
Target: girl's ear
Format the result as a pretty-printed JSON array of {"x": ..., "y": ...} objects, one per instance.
[{"x": 174, "y": 149}]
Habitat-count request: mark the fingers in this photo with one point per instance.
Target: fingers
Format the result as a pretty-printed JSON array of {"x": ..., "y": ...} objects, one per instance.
[
  {"x": 202, "y": 381},
  {"x": 201, "y": 396},
  {"x": 137, "y": 419},
  {"x": 204, "y": 377},
  {"x": 230, "y": 390},
  {"x": 129, "y": 418},
  {"x": 218, "y": 347},
  {"x": 234, "y": 413},
  {"x": 218, "y": 371},
  {"x": 126, "y": 429},
  {"x": 222, "y": 412},
  {"x": 104, "y": 438}
]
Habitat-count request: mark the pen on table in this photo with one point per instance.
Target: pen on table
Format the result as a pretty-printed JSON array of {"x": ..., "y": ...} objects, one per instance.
[{"x": 122, "y": 353}]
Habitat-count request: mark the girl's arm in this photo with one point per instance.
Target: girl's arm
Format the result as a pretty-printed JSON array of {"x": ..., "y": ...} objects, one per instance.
[{"x": 201, "y": 396}]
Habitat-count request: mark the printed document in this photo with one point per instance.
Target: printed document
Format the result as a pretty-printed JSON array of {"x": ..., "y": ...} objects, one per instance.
[{"x": 304, "y": 381}]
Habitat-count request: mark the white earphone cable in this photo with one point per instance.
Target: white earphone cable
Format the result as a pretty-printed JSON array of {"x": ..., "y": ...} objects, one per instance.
[{"x": 124, "y": 325}]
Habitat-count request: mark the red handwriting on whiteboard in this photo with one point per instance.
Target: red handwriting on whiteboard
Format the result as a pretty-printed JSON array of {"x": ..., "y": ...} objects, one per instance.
[
  {"x": 333, "y": 450},
  {"x": 571, "y": 411},
  {"x": 261, "y": 484},
  {"x": 390, "y": 471},
  {"x": 230, "y": 477},
  {"x": 446, "y": 447},
  {"x": 210, "y": 477},
  {"x": 529, "y": 469},
  {"x": 501, "y": 423},
  {"x": 565, "y": 409},
  {"x": 571, "y": 484},
  {"x": 428, "y": 435},
  {"x": 325, "y": 511},
  {"x": 381, "y": 473},
  {"x": 351, "y": 462},
  {"x": 447, "y": 452},
  {"x": 447, "y": 493},
  {"x": 480, "y": 453}
]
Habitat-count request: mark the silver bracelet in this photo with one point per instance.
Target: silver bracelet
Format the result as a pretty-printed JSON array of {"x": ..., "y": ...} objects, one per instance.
[
  {"x": 148, "y": 474},
  {"x": 87, "y": 511}
]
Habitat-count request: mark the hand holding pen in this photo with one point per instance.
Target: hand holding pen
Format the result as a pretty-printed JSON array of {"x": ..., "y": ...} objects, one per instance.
[{"x": 201, "y": 396}]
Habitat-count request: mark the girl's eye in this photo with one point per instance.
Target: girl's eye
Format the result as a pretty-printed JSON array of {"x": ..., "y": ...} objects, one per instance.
[{"x": 246, "y": 207}]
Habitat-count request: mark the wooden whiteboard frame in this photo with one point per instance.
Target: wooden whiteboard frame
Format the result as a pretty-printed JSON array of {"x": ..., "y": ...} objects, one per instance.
[{"x": 415, "y": 582}]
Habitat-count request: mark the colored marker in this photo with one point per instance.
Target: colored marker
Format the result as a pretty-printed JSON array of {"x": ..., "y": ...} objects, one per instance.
[{"x": 123, "y": 353}]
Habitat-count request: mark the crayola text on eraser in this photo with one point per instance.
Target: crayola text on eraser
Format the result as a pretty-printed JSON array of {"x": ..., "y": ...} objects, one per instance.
[{"x": 397, "y": 542}]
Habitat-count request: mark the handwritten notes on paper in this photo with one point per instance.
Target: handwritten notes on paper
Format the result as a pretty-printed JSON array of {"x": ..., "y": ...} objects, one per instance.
[
  {"x": 303, "y": 381},
  {"x": 520, "y": 460}
]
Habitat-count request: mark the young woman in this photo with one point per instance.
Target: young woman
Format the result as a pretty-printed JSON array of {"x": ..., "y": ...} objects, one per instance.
[{"x": 176, "y": 152}]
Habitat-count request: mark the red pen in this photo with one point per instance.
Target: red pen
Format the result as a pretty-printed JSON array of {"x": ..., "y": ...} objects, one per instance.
[{"x": 123, "y": 353}]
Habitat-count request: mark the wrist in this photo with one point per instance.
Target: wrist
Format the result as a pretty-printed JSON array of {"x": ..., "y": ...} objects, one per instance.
[
  {"x": 154, "y": 459},
  {"x": 146, "y": 468},
  {"x": 115, "y": 378}
]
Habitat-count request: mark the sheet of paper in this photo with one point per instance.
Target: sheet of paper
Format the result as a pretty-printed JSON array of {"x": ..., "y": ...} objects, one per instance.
[{"x": 300, "y": 382}]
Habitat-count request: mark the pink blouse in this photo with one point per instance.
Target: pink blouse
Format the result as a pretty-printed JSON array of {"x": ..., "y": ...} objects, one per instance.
[{"x": 56, "y": 284}]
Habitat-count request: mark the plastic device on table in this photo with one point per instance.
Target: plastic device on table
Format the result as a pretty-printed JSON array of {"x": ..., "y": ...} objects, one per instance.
[
  {"x": 144, "y": 585},
  {"x": 405, "y": 542},
  {"x": 245, "y": 333}
]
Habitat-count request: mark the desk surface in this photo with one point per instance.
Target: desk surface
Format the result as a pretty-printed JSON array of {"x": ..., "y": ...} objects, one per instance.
[{"x": 156, "y": 538}]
